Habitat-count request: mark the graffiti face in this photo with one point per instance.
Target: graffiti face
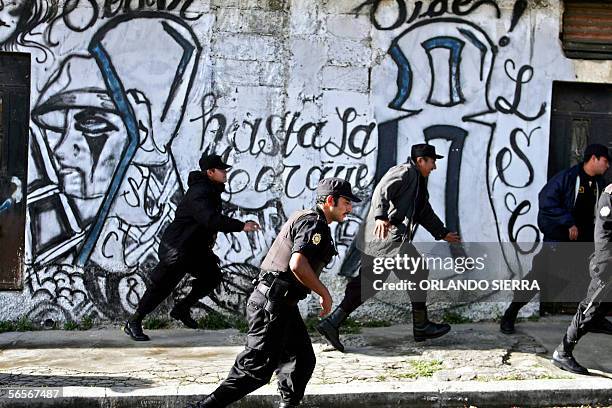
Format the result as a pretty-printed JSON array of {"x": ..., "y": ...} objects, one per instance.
[
  {"x": 88, "y": 151},
  {"x": 10, "y": 12}
]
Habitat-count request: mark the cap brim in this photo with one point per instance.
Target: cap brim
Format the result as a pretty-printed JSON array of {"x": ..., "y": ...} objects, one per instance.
[
  {"x": 439, "y": 157},
  {"x": 351, "y": 197}
]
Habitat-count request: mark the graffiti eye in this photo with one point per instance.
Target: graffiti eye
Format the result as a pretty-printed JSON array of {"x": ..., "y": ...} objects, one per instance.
[{"x": 93, "y": 124}]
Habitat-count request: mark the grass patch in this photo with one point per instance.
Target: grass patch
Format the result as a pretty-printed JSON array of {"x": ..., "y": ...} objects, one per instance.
[
  {"x": 70, "y": 325},
  {"x": 455, "y": 318},
  {"x": 425, "y": 368},
  {"x": 154, "y": 323},
  {"x": 420, "y": 369},
  {"x": 214, "y": 321},
  {"x": 86, "y": 323},
  {"x": 350, "y": 326},
  {"x": 376, "y": 323},
  {"x": 7, "y": 326},
  {"x": 23, "y": 324}
]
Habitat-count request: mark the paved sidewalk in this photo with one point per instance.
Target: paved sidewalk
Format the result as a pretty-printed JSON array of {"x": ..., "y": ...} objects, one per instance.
[{"x": 473, "y": 365}]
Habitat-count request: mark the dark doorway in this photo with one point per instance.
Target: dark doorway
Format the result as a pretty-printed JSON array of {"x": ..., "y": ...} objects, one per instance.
[
  {"x": 14, "y": 120},
  {"x": 581, "y": 115}
]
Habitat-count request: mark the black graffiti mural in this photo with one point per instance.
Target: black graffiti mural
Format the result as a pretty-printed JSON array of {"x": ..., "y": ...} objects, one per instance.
[
  {"x": 280, "y": 136},
  {"x": 21, "y": 23},
  {"x": 434, "y": 8}
]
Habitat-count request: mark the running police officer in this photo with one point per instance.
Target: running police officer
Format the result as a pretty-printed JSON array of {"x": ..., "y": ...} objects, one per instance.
[
  {"x": 597, "y": 304},
  {"x": 277, "y": 339},
  {"x": 186, "y": 246},
  {"x": 399, "y": 203}
]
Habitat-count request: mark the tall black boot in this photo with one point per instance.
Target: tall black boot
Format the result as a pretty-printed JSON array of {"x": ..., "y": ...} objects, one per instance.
[
  {"x": 563, "y": 358},
  {"x": 182, "y": 309},
  {"x": 424, "y": 329},
  {"x": 133, "y": 327},
  {"x": 329, "y": 327},
  {"x": 506, "y": 325}
]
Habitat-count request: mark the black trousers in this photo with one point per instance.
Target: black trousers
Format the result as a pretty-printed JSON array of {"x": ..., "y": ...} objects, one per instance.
[
  {"x": 166, "y": 276},
  {"x": 583, "y": 319},
  {"x": 277, "y": 341},
  {"x": 361, "y": 288}
]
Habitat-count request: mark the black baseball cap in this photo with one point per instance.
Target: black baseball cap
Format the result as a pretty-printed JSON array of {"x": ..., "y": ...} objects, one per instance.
[
  {"x": 424, "y": 150},
  {"x": 596, "y": 150},
  {"x": 336, "y": 186},
  {"x": 212, "y": 161}
]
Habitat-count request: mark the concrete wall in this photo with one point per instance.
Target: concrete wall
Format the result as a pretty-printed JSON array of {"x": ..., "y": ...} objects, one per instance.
[{"x": 126, "y": 96}]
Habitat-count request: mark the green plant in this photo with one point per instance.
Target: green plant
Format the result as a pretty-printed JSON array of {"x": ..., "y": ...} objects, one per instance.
[
  {"x": 24, "y": 324},
  {"x": 376, "y": 323},
  {"x": 455, "y": 318},
  {"x": 350, "y": 326},
  {"x": 240, "y": 323},
  {"x": 7, "y": 326},
  {"x": 425, "y": 368},
  {"x": 70, "y": 325},
  {"x": 86, "y": 323},
  {"x": 214, "y": 321},
  {"x": 153, "y": 323}
]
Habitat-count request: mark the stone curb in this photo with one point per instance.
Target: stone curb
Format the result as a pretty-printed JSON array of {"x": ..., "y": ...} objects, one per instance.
[{"x": 420, "y": 393}]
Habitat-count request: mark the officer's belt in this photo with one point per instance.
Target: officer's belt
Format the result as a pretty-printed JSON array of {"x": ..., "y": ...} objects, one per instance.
[{"x": 273, "y": 287}]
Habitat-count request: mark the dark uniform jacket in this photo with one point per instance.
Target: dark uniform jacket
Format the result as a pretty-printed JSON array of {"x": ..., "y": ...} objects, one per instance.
[
  {"x": 600, "y": 264},
  {"x": 197, "y": 220},
  {"x": 308, "y": 233},
  {"x": 556, "y": 202},
  {"x": 401, "y": 197}
]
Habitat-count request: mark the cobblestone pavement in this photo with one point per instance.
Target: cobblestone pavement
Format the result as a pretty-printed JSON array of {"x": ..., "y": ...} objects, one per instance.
[{"x": 180, "y": 357}]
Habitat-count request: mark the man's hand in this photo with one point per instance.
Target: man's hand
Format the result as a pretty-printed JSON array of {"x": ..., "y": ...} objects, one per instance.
[
  {"x": 381, "y": 230},
  {"x": 326, "y": 303},
  {"x": 250, "y": 226},
  {"x": 573, "y": 233},
  {"x": 452, "y": 237}
]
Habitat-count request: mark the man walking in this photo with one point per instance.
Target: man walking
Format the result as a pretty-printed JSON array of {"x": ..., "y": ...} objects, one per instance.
[
  {"x": 277, "y": 339},
  {"x": 399, "y": 203},
  {"x": 592, "y": 310},
  {"x": 567, "y": 206},
  {"x": 187, "y": 244}
]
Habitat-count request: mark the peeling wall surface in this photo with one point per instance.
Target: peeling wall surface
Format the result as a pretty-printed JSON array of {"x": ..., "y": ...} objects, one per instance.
[{"x": 126, "y": 96}]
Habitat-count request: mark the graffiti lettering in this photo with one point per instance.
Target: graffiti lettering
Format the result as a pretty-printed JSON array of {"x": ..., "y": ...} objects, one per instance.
[
  {"x": 503, "y": 160},
  {"x": 436, "y": 8},
  {"x": 524, "y": 75},
  {"x": 74, "y": 19}
]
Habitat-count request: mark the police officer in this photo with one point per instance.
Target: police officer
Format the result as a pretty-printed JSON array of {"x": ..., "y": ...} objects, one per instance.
[
  {"x": 597, "y": 304},
  {"x": 566, "y": 213},
  {"x": 277, "y": 339},
  {"x": 399, "y": 203},
  {"x": 186, "y": 246}
]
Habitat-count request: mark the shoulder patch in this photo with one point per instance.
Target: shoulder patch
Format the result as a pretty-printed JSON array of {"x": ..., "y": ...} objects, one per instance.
[
  {"x": 605, "y": 211},
  {"x": 609, "y": 189},
  {"x": 316, "y": 238}
]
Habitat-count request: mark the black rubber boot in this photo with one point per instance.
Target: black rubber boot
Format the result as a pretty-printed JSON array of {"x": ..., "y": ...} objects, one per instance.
[
  {"x": 564, "y": 359},
  {"x": 424, "y": 329},
  {"x": 182, "y": 313},
  {"x": 601, "y": 325},
  {"x": 133, "y": 328},
  {"x": 329, "y": 327},
  {"x": 506, "y": 325}
]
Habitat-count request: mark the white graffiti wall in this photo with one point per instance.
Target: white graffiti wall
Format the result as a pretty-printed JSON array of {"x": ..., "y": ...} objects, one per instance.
[{"x": 126, "y": 96}]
